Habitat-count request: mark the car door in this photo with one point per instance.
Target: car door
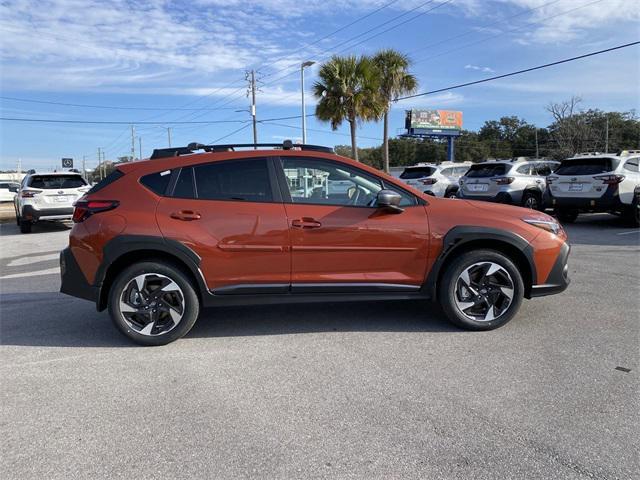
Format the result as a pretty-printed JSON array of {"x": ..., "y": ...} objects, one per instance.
[
  {"x": 339, "y": 240},
  {"x": 231, "y": 214}
]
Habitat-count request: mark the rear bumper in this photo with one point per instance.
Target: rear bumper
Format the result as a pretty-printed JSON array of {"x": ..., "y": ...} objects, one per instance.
[
  {"x": 610, "y": 200},
  {"x": 73, "y": 281},
  {"x": 558, "y": 279},
  {"x": 501, "y": 197},
  {"x": 33, "y": 214}
]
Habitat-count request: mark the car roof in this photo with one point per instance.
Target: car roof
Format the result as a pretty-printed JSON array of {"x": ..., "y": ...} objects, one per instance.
[{"x": 53, "y": 173}]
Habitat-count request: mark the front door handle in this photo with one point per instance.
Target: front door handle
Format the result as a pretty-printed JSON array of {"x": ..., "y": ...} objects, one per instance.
[
  {"x": 306, "y": 222},
  {"x": 185, "y": 215}
]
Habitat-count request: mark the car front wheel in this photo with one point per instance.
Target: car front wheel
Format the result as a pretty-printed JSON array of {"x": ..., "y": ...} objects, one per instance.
[
  {"x": 153, "y": 303},
  {"x": 481, "y": 290}
]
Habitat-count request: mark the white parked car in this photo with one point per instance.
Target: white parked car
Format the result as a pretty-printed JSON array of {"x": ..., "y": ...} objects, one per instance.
[
  {"x": 439, "y": 180},
  {"x": 8, "y": 191},
  {"x": 597, "y": 182},
  {"x": 47, "y": 196}
]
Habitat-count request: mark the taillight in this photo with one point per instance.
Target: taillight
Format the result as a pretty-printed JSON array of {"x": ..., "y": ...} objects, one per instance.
[
  {"x": 503, "y": 180},
  {"x": 85, "y": 208},
  {"x": 610, "y": 179},
  {"x": 428, "y": 181},
  {"x": 29, "y": 193}
]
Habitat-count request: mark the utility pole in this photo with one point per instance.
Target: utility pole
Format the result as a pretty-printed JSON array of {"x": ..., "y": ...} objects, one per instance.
[
  {"x": 537, "y": 151},
  {"x": 99, "y": 163},
  {"x": 304, "y": 113},
  {"x": 169, "y": 135},
  {"x": 133, "y": 142},
  {"x": 606, "y": 137},
  {"x": 140, "y": 148},
  {"x": 253, "y": 108}
]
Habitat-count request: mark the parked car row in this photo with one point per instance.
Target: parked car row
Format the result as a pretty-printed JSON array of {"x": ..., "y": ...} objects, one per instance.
[{"x": 590, "y": 182}]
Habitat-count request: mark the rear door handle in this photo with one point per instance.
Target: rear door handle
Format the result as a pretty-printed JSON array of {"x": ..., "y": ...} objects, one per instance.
[
  {"x": 185, "y": 215},
  {"x": 306, "y": 222}
]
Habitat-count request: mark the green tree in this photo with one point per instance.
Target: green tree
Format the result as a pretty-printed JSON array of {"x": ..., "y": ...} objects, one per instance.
[
  {"x": 348, "y": 90},
  {"x": 395, "y": 81}
]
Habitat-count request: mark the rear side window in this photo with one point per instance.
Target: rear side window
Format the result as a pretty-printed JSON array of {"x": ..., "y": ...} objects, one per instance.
[
  {"x": 487, "y": 170},
  {"x": 185, "y": 187},
  {"x": 56, "y": 182},
  {"x": 586, "y": 166},
  {"x": 241, "y": 180},
  {"x": 524, "y": 169},
  {"x": 632, "y": 165},
  {"x": 543, "y": 169},
  {"x": 447, "y": 172},
  {"x": 157, "y": 182},
  {"x": 417, "y": 172},
  {"x": 108, "y": 180}
]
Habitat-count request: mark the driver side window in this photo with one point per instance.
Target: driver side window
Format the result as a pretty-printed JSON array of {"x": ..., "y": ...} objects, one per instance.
[{"x": 315, "y": 181}]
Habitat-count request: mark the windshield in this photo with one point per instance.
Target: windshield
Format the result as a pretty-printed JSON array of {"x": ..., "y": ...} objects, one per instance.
[
  {"x": 417, "y": 172},
  {"x": 53, "y": 182},
  {"x": 586, "y": 166},
  {"x": 487, "y": 170}
]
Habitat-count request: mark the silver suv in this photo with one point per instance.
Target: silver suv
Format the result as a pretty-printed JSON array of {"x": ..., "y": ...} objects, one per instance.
[
  {"x": 439, "y": 180},
  {"x": 516, "y": 182}
]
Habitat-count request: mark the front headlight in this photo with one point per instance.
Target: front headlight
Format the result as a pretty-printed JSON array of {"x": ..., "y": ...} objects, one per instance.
[{"x": 548, "y": 225}]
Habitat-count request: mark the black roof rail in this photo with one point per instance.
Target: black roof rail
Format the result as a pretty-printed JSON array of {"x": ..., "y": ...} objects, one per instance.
[{"x": 194, "y": 147}]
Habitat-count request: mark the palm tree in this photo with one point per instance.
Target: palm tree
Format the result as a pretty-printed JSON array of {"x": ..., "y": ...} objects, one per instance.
[
  {"x": 348, "y": 90},
  {"x": 395, "y": 81}
]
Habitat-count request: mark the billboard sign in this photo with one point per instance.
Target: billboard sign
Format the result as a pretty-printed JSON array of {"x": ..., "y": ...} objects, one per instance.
[{"x": 434, "y": 120}]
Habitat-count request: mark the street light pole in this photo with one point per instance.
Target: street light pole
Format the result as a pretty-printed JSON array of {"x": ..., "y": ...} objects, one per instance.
[{"x": 304, "y": 113}]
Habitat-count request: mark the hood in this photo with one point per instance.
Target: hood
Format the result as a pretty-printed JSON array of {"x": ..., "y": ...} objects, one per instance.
[{"x": 508, "y": 210}]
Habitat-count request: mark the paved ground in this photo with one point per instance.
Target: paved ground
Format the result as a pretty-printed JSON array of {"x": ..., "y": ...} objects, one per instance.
[{"x": 325, "y": 391}]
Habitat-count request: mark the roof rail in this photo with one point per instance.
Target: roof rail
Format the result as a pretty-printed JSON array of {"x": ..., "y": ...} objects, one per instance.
[{"x": 194, "y": 147}]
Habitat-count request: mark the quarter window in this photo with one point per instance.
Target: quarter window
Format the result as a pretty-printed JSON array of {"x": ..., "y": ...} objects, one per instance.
[
  {"x": 524, "y": 170},
  {"x": 239, "y": 180},
  {"x": 156, "y": 182},
  {"x": 632, "y": 165}
]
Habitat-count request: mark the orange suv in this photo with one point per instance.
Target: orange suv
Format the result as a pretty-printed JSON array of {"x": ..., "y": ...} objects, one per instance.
[{"x": 157, "y": 240}]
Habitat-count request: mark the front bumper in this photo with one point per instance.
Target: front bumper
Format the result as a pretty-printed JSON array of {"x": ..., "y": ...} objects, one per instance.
[
  {"x": 34, "y": 214},
  {"x": 558, "y": 279},
  {"x": 73, "y": 281}
]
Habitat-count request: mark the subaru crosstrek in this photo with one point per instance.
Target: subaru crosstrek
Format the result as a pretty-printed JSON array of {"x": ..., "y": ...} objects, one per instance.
[
  {"x": 597, "y": 182},
  {"x": 159, "y": 239},
  {"x": 437, "y": 180},
  {"x": 519, "y": 182}
]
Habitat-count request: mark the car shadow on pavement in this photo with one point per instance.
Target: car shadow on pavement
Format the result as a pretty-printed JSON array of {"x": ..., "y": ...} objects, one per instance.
[
  {"x": 55, "y": 320},
  {"x": 10, "y": 229},
  {"x": 602, "y": 229}
]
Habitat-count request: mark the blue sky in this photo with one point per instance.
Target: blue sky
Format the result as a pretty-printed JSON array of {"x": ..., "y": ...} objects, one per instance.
[{"x": 185, "y": 61}]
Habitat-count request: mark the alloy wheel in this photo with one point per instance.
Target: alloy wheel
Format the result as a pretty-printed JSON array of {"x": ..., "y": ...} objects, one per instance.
[
  {"x": 152, "y": 304},
  {"x": 484, "y": 291},
  {"x": 531, "y": 202}
]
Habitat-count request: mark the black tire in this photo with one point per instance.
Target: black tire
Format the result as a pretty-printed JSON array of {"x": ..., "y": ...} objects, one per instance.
[
  {"x": 451, "y": 193},
  {"x": 567, "y": 215},
  {"x": 632, "y": 213},
  {"x": 191, "y": 305},
  {"x": 448, "y": 291},
  {"x": 531, "y": 200},
  {"x": 25, "y": 226}
]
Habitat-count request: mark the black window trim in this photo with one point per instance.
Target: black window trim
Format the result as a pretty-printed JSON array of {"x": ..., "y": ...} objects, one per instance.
[
  {"x": 286, "y": 194},
  {"x": 273, "y": 183}
]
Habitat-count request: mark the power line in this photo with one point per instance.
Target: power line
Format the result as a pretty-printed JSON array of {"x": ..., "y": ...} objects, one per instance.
[
  {"x": 229, "y": 134},
  {"x": 519, "y": 72},
  {"x": 109, "y": 107},
  {"x": 105, "y": 122}
]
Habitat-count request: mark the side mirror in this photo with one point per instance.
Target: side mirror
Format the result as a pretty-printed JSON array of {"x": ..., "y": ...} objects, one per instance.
[{"x": 389, "y": 200}]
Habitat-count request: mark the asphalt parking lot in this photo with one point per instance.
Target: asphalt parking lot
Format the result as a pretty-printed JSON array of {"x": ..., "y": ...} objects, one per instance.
[{"x": 385, "y": 390}]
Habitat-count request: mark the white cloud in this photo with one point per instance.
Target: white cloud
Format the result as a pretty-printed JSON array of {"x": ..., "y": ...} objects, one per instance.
[{"x": 479, "y": 68}]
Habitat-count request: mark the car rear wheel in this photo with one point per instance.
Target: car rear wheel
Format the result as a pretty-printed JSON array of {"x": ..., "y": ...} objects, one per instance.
[
  {"x": 153, "y": 303},
  {"x": 531, "y": 200},
  {"x": 481, "y": 290},
  {"x": 451, "y": 193},
  {"x": 567, "y": 215},
  {"x": 25, "y": 226}
]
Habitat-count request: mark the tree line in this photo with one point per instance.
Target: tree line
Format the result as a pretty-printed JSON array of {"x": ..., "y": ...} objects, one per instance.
[{"x": 571, "y": 132}]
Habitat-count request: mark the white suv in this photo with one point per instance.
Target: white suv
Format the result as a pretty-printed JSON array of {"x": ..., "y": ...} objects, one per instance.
[
  {"x": 439, "y": 180},
  {"x": 47, "y": 196},
  {"x": 597, "y": 182}
]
